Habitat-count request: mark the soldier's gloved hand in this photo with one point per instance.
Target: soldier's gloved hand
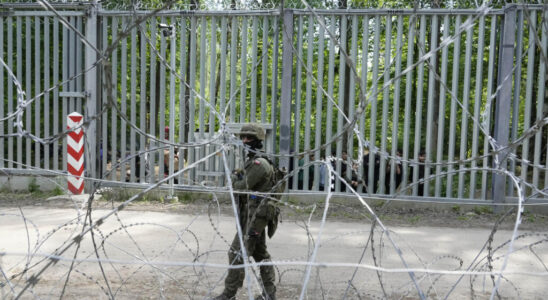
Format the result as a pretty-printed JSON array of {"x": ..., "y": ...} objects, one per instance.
[
  {"x": 238, "y": 174},
  {"x": 235, "y": 177}
]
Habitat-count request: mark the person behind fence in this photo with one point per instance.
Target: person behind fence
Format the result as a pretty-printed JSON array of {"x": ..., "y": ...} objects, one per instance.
[
  {"x": 255, "y": 213},
  {"x": 167, "y": 162},
  {"x": 376, "y": 171}
]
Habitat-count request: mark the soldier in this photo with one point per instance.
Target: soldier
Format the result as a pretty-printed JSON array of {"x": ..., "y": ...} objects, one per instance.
[{"x": 255, "y": 213}]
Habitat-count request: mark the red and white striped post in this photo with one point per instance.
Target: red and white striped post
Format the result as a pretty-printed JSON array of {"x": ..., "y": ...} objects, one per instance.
[{"x": 75, "y": 153}]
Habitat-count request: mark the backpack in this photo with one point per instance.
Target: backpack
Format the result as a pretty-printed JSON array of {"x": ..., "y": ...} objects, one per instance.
[{"x": 279, "y": 182}]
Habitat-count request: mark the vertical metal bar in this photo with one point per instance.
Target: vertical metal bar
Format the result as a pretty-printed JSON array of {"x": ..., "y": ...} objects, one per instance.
[
  {"x": 192, "y": 87},
  {"x": 10, "y": 100},
  {"x": 64, "y": 109},
  {"x": 233, "y": 67},
  {"x": 396, "y": 109},
  {"x": 55, "y": 130},
  {"x": 222, "y": 87},
  {"x": 47, "y": 108},
  {"x": 75, "y": 57},
  {"x": 502, "y": 110},
  {"x": 441, "y": 112},
  {"x": 28, "y": 91},
  {"x": 308, "y": 101},
  {"x": 418, "y": 107},
  {"x": 203, "y": 64},
  {"x": 114, "y": 92},
  {"x": 143, "y": 101},
  {"x": 465, "y": 108},
  {"x": 433, "y": 68},
  {"x": 532, "y": 26},
  {"x": 182, "y": 95},
  {"x": 105, "y": 99},
  {"x": 253, "y": 74},
  {"x": 222, "y": 75},
  {"x": 540, "y": 102},
  {"x": 517, "y": 94},
  {"x": 243, "y": 75},
  {"x": 352, "y": 97},
  {"x": 37, "y": 109},
  {"x": 363, "y": 90},
  {"x": 71, "y": 68},
  {"x": 477, "y": 105},
  {"x": 212, "y": 91},
  {"x": 297, "y": 105},
  {"x": 319, "y": 103},
  {"x": 287, "y": 78},
  {"x": 487, "y": 117},
  {"x": 19, "y": 29},
  {"x": 123, "y": 104},
  {"x": 385, "y": 101},
  {"x": 264, "y": 72},
  {"x": 172, "y": 83},
  {"x": 91, "y": 88},
  {"x": 152, "y": 121},
  {"x": 274, "y": 76},
  {"x": 340, "y": 111},
  {"x": 78, "y": 66},
  {"x": 233, "y": 78},
  {"x": 2, "y": 149},
  {"x": 133, "y": 102},
  {"x": 373, "y": 116},
  {"x": 162, "y": 104},
  {"x": 453, "y": 114},
  {"x": 330, "y": 83}
]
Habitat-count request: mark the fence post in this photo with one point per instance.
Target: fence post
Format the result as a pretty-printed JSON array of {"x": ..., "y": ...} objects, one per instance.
[
  {"x": 92, "y": 89},
  {"x": 504, "y": 102},
  {"x": 287, "y": 91}
]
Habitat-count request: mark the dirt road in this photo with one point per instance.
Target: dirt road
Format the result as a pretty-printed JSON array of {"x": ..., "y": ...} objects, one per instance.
[{"x": 142, "y": 254}]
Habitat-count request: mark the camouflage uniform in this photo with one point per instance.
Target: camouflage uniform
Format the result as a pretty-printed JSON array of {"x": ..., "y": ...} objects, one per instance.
[{"x": 255, "y": 212}]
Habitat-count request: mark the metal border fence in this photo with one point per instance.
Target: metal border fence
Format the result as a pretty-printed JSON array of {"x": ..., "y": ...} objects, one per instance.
[{"x": 427, "y": 91}]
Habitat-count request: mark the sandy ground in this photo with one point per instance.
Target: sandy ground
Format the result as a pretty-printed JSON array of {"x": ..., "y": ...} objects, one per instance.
[{"x": 178, "y": 251}]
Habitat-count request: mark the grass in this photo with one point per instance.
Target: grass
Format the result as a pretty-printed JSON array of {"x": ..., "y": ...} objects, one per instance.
[
  {"x": 57, "y": 191},
  {"x": 413, "y": 220},
  {"x": 118, "y": 195},
  {"x": 482, "y": 210},
  {"x": 33, "y": 187}
]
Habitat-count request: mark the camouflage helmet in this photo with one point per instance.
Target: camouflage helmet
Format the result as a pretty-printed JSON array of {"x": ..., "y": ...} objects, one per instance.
[{"x": 253, "y": 129}]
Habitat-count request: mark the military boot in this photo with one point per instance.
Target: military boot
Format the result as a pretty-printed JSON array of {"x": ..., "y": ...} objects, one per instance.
[
  {"x": 224, "y": 297},
  {"x": 265, "y": 296}
]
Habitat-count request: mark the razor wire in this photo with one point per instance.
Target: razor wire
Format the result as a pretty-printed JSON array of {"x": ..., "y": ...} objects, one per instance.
[{"x": 225, "y": 141}]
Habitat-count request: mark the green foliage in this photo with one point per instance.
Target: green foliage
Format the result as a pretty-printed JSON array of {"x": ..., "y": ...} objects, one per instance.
[
  {"x": 57, "y": 191},
  {"x": 187, "y": 197},
  {"x": 413, "y": 220},
  {"x": 33, "y": 186},
  {"x": 463, "y": 218},
  {"x": 482, "y": 210}
]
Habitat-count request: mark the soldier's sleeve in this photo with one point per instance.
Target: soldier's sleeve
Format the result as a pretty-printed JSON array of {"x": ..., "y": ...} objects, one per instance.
[{"x": 253, "y": 175}]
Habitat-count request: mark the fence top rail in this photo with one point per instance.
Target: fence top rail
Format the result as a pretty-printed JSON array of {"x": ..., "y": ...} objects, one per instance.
[
  {"x": 276, "y": 12},
  {"x": 178, "y": 13},
  {"x": 29, "y": 13},
  {"x": 23, "y": 9},
  {"x": 28, "y": 5},
  {"x": 397, "y": 12}
]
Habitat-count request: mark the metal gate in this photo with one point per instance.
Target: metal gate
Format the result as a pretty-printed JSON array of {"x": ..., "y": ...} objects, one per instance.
[{"x": 428, "y": 91}]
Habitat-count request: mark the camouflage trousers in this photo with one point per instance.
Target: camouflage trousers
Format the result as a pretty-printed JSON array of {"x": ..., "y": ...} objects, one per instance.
[{"x": 256, "y": 248}]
